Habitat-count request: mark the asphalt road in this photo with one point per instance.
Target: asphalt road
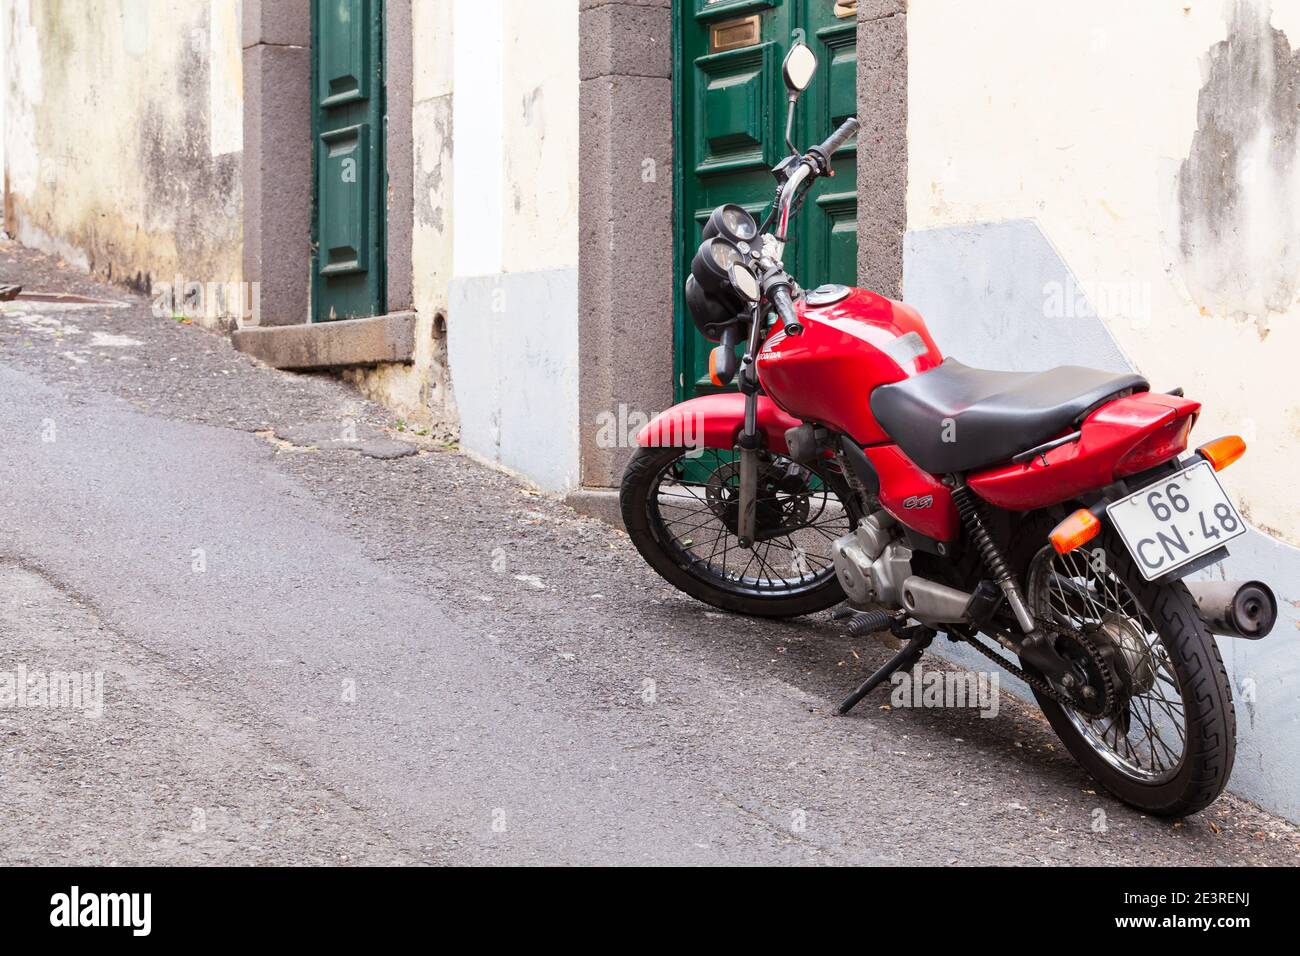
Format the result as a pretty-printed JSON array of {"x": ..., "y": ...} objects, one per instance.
[{"x": 309, "y": 654}]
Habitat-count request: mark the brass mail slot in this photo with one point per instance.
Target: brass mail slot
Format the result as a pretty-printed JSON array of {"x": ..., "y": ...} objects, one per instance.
[
  {"x": 846, "y": 8},
  {"x": 733, "y": 34}
]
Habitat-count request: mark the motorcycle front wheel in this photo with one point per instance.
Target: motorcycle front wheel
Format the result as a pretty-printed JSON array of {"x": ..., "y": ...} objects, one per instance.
[
  {"x": 1169, "y": 747},
  {"x": 680, "y": 508}
]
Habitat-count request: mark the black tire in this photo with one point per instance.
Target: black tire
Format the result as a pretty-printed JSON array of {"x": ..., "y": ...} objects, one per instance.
[
  {"x": 648, "y": 533},
  {"x": 1208, "y": 717}
]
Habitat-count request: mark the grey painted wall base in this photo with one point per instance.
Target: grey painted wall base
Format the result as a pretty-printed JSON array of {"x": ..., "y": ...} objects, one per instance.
[
  {"x": 512, "y": 345},
  {"x": 981, "y": 289},
  {"x": 350, "y": 342}
]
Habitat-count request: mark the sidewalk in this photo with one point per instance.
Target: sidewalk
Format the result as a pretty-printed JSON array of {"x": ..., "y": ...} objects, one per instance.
[{"x": 334, "y": 650}]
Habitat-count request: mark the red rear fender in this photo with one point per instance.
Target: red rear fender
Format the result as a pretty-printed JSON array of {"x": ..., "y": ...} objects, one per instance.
[
  {"x": 714, "y": 421},
  {"x": 1121, "y": 438}
]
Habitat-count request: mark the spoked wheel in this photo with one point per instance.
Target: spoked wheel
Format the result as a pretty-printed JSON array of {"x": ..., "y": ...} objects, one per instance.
[
  {"x": 1164, "y": 741},
  {"x": 681, "y": 510}
]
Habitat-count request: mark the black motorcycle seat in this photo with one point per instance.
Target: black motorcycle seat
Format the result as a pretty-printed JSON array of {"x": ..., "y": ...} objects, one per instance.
[{"x": 955, "y": 418}]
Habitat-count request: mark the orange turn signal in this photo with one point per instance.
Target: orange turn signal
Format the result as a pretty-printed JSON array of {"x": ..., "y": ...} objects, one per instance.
[
  {"x": 1222, "y": 452},
  {"x": 713, "y": 369},
  {"x": 1079, "y": 528}
]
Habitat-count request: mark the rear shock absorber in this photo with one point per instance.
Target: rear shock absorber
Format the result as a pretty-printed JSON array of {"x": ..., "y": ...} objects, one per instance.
[{"x": 969, "y": 509}]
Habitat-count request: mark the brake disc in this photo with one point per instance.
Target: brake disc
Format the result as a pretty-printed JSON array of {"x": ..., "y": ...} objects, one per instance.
[{"x": 783, "y": 503}]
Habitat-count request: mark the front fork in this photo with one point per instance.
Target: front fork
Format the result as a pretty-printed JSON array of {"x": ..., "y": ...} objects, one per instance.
[{"x": 750, "y": 439}]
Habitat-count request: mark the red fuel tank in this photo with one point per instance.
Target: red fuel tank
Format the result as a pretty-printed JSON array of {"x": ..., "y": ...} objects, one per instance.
[{"x": 847, "y": 348}]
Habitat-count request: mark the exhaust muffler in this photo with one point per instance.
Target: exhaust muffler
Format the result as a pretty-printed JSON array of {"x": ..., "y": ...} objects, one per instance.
[
  {"x": 1233, "y": 608},
  {"x": 1236, "y": 608}
]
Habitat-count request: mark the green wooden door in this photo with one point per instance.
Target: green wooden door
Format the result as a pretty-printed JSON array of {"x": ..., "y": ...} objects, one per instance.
[
  {"x": 348, "y": 227},
  {"x": 729, "y": 118}
]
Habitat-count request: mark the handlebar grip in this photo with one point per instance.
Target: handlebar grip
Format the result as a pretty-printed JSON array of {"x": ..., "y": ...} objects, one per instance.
[
  {"x": 848, "y": 129},
  {"x": 785, "y": 309}
]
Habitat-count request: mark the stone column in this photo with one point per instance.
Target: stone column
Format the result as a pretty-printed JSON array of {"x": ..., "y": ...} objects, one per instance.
[
  {"x": 277, "y": 156},
  {"x": 626, "y": 227},
  {"x": 882, "y": 144}
]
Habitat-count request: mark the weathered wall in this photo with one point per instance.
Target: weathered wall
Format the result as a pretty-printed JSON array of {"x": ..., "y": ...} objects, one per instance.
[
  {"x": 123, "y": 135},
  {"x": 1156, "y": 147},
  {"x": 1115, "y": 184}
]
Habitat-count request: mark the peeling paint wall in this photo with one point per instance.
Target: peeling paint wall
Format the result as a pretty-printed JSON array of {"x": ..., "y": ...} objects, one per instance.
[
  {"x": 421, "y": 392},
  {"x": 495, "y": 238},
  {"x": 1155, "y": 145},
  {"x": 123, "y": 136},
  {"x": 1239, "y": 188}
]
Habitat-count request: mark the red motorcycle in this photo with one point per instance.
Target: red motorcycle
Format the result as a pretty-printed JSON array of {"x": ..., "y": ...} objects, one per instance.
[{"x": 1051, "y": 515}]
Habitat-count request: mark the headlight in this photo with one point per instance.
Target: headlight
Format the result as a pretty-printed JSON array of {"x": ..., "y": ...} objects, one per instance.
[{"x": 720, "y": 288}]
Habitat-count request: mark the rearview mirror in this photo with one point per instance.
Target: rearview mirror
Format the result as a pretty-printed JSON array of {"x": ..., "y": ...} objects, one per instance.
[
  {"x": 744, "y": 282},
  {"x": 799, "y": 68}
]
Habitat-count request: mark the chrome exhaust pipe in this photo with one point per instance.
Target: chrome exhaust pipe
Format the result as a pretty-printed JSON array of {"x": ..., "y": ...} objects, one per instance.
[
  {"x": 933, "y": 603},
  {"x": 1236, "y": 608}
]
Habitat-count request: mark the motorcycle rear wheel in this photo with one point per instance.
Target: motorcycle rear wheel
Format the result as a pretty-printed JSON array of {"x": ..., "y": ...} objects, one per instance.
[
  {"x": 1170, "y": 750},
  {"x": 678, "y": 510}
]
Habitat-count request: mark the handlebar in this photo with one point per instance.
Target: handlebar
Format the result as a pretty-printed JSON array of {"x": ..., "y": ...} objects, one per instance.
[
  {"x": 816, "y": 163},
  {"x": 780, "y": 297},
  {"x": 848, "y": 129}
]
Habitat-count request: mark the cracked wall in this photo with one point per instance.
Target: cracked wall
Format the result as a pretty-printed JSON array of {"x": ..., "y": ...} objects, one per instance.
[
  {"x": 421, "y": 392},
  {"x": 123, "y": 136}
]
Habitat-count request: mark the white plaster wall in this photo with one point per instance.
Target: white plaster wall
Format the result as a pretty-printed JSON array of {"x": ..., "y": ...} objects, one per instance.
[
  {"x": 477, "y": 109},
  {"x": 516, "y": 134},
  {"x": 540, "y": 136},
  {"x": 513, "y": 313},
  {"x": 1080, "y": 116},
  {"x": 495, "y": 240},
  {"x": 4, "y": 98}
]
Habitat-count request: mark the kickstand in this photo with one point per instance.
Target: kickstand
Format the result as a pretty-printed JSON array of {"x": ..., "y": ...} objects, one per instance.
[{"x": 919, "y": 639}]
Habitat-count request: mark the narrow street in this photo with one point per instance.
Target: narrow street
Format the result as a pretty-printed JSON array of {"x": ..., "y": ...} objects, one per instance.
[{"x": 326, "y": 639}]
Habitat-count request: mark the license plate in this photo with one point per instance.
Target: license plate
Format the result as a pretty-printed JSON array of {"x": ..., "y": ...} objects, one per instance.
[{"x": 1174, "y": 521}]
